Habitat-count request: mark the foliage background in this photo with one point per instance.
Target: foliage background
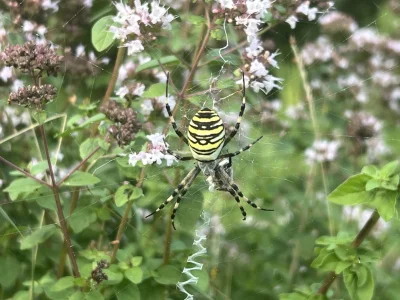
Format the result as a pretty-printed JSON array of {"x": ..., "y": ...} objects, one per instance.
[{"x": 260, "y": 258}]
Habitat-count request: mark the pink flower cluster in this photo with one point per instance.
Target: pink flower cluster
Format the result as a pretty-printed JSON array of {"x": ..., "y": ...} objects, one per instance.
[
  {"x": 133, "y": 23},
  {"x": 155, "y": 152}
]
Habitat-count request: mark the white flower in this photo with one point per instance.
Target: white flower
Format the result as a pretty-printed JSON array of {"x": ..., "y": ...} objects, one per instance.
[
  {"x": 28, "y": 26},
  {"x": 134, "y": 47},
  {"x": 17, "y": 84},
  {"x": 292, "y": 20},
  {"x": 122, "y": 91},
  {"x": 125, "y": 70},
  {"x": 6, "y": 73},
  {"x": 41, "y": 30},
  {"x": 139, "y": 89},
  {"x": 155, "y": 153},
  {"x": 272, "y": 61},
  {"x": 305, "y": 9},
  {"x": 254, "y": 49},
  {"x": 322, "y": 151},
  {"x": 258, "y": 7},
  {"x": 147, "y": 107},
  {"x": 143, "y": 11},
  {"x": 48, "y": 4},
  {"x": 87, "y": 3},
  {"x": 226, "y": 3},
  {"x": 252, "y": 29},
  {"x": 80, "y": 50},
  {"x": 157, "y": 140},
  {"x": 258, "y": 69}
]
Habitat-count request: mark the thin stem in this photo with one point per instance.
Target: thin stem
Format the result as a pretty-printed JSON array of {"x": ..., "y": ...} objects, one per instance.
[
  {"x": 60, "y": 213},
  {"x": 311, "y": 108},
  {"x": 168, "y": 238},
  {"x": 330, "y": 278},
  {"x": 24, "y": 172},
  {"x": 114, "y": 76},
  {"x": 78, "y": 166},
  {"x": 125, "y": 218},
  {"x": 198, "y": 56}
]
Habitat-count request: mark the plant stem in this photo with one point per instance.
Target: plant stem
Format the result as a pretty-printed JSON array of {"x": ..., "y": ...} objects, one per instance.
[
  {"x": 330, "y": 278},
  {"x": 198, "y": 56},
  {"x": 125, "y": 218},
  {"x": 24, "y": 172},
  {"x": 310, "y": 102},
  {"x": 114, "y": 76},
  {"x": 168, "y": 238},
  {"x": 60, "y": 213}
]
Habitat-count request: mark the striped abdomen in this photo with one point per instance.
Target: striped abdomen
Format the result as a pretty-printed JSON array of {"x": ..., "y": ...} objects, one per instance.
[{"x": 206, "y": 135}]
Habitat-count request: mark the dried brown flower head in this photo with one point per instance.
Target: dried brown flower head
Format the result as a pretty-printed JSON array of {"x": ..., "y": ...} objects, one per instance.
[
  {"x": 127, "y": 124},
  {"x": 32, "y": 58},
  {"x": 98, "y": 274},
  {"x": 33, "y": 96}
]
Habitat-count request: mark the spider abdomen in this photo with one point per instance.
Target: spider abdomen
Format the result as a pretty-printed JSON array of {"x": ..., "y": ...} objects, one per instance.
[{"x": 206, "y": 135}]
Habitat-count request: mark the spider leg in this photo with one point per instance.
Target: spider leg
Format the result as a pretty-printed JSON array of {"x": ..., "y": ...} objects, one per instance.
[
  {"x": 240, "y": 150},
  {"x": 236, "y": 188},
  {"x": 239, "y": 120},
  {"x": 234, "y": 195},
  {"x": 171, "y": 117},
  {"x": 233, "y": 186},
  {"x": 184, "y": 182},
  {"x": 176, "y": 155},
  {"x": 181, "y": 193}
]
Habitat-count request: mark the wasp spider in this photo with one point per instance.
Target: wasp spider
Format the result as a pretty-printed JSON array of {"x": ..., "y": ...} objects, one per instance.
[{"x": 206, "y": 137}]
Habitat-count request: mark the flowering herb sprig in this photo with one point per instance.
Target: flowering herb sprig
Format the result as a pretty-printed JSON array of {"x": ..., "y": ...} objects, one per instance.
[{"x": 139, "y": 24}]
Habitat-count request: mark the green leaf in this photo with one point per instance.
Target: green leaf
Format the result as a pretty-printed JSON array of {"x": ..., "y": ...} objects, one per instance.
[
  {"x": 155, "y": 90},
  {"x": 391, "y": 184},
  {"x": 40, "y": 167},
  {"x": 127, "y": 291},
  {"x": 96, "y": 118},
  {"x": 113, "y": 277},
  {"x": 102, "y": 38},
  {"x": 136, "y": 260},
  {"x": 89, "y": 145},
  {"x": 385, "y": 202},
  {"x": 370, "y": 171},
  {"x": 38, "y": 236},
  {"x": 22, "y": 187},
  {"x": 197, "y": 20},
  {"x": 39, "y": 116},
  {"x": 388, "y": 169},
  {"x": 352, "y": 191},
  {"x": 63, "y": 284},
  {"x": 12, "y": 269},
  {"x": 218, "y": 34},
  {"x": 80, "y": 178},
  {"x": 94, "y": 295},
  {"x": 126, "y": 193},
  {"x": 44, "y": 197},
  {"x": 7, "y": 218},
  {"x": 166, "y": 61},
  {"x": 359, "y": 282},
  {"x": 134, "y": 274},
  {"x": 167, "y": 274},
  {"x": 81, "y": 219},
  {"x": 372, "y": 184}
]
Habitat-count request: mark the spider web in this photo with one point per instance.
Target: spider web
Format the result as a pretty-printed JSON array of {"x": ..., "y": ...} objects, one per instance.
[{"x": 265, "y": 166}]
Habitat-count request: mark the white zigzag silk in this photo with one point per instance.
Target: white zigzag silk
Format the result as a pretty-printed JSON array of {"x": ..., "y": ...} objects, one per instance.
[{"x": 201, "y": 235}]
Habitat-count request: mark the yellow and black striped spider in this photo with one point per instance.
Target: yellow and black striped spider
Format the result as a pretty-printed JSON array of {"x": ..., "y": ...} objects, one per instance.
[{"x": 206, "y": 138}]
